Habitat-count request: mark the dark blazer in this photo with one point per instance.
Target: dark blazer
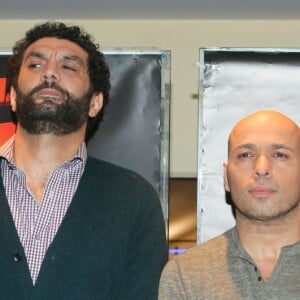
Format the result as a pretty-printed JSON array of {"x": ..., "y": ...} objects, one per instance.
[{"x": 110, "y": 245}]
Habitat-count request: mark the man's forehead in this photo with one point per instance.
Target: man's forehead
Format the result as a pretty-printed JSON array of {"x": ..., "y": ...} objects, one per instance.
[
  {"x": 265, "y": 137},
  {"x": 51, "y": 45}
]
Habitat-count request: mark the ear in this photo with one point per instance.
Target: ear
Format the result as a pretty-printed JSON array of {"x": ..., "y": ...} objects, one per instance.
[
  {"x": 96, "y": 104},
  {"x": 13, "y": 96},
  {"x": 226, "y": 183}
]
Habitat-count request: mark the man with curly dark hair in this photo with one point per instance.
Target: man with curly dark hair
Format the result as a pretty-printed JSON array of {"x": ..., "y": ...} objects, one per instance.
[
  {"x": 97, "y": 69},
  {"x": 73, "y": 227}
]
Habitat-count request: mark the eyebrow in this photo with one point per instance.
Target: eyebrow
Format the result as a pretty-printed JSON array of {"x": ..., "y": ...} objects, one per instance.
[
  {"x": 74, "y": 58},
  {"x": 249, "y": 146},
  {"x": 37, "y": 54},
  {"x": 281, "y": 146},
  {"x": 274, "y": 146}
]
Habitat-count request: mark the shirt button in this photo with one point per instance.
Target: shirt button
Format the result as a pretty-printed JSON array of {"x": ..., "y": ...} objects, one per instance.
[
  {"x": 37, "y": 237},
  {"x": 17, "y": 257},
  {"x": 259, "y": 278}
]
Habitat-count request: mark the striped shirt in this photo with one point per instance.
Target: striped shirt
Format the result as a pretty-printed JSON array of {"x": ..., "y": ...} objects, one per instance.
[{"x": 37, "y": 223}]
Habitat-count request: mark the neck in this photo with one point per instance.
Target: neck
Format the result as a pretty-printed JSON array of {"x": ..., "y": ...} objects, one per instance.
[
  {"x": 270, "y": 234},
  {"x": 45, "y": 150},
  {"x": 263, "y": 240}
]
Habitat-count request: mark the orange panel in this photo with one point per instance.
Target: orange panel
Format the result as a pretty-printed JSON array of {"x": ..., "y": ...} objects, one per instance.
[
  {"x": 3, "y": 97},
  {"x": 6, "y": 131},
  {"x": 2, "y": 89}
]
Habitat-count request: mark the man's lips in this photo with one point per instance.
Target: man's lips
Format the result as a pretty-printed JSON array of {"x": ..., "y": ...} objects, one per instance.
[
  {"x": 49, "y": 94},
  {"x": 261, "y": 191}
]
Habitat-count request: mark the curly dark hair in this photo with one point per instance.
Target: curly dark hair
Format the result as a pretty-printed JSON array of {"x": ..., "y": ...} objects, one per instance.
[{"x": 98, "y": 70}]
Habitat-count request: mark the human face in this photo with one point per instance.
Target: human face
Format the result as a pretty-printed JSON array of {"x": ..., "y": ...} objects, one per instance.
[
  {"x": 52, "y": 94},
  {"x": 263, "y": 169}
]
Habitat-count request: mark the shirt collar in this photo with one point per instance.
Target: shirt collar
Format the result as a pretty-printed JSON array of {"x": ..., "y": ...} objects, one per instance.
[
  {"x": 7, "y": 150},
  {"x": 238, "y": 249}
]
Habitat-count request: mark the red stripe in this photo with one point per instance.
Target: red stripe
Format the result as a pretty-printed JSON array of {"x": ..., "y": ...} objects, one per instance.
[
  {"x": 6, "y": 131},
  {"x": 2, "y": 89}
]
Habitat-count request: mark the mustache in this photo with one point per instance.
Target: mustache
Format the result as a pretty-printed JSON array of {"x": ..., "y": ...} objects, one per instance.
[{"x": 48, "y": 85}]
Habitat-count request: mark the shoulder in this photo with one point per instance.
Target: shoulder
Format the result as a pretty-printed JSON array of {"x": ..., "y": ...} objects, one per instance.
[
  {"x": 202, "y": 272},
  {"x": 205, "y": 256},
  {"x": 113, "y": 172},
  {"x": 98, "y": 165},
  {"x": 119, "y": 182}
]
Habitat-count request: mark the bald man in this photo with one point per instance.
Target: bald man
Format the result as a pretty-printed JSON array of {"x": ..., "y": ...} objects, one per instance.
[{"x": 260, "y": 257}]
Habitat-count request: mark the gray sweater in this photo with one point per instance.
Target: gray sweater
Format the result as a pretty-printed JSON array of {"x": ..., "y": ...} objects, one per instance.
[{"x": 222, "y": 269}]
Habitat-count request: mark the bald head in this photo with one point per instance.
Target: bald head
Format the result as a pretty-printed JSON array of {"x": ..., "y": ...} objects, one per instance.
[{"x": 265, "y": 122}]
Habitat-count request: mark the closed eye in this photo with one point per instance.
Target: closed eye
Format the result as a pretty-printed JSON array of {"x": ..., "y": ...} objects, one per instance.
[{"x": 67, "y": 67}]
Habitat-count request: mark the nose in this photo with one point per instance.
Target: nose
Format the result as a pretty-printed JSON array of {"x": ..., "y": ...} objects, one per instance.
[
  {"x": 262, "y": 167},
  {"x": 50, "y": 73}
]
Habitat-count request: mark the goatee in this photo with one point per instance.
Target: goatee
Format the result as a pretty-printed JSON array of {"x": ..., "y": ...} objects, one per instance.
[{"x": 48, "y": 116}]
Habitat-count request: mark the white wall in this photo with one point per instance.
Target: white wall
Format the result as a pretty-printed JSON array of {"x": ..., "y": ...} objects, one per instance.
[{"x": 183, "y": 38}]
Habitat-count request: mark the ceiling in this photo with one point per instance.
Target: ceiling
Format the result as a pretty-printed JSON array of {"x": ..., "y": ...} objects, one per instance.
[{"x": 149, "y": 9}]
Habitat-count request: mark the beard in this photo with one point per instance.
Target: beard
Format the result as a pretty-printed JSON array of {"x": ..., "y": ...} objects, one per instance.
[{"x": 48, "y": 116}]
